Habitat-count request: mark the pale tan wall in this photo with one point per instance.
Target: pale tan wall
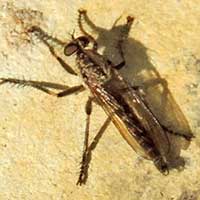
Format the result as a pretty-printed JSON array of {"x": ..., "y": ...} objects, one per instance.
[{"x": 41, "y": 137}]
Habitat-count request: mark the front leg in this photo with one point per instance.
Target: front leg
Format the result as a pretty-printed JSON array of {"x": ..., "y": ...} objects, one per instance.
[{"x": 50, "y": 41}]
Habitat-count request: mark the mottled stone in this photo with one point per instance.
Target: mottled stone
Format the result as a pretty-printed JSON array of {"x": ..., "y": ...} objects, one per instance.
[{"x": 41, "y": 137}]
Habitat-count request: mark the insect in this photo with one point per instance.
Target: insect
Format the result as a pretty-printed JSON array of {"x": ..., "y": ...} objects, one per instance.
[{"x": 122, "y": 103}]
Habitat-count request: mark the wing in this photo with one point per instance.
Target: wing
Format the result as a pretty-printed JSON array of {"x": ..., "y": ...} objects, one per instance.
[
  {"x": 135, "y": 121},
  {"x": 131, "y": 133}
]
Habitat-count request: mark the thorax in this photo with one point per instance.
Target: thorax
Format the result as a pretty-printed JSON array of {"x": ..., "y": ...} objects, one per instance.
[{"x": 93, "y": 67}]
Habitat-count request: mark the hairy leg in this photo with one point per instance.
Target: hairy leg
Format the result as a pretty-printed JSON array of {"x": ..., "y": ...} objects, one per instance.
[
  {"x": 87, "y": 152},
  {"x": 44, "y": 86},
  {"x": 49, "y": 41}
]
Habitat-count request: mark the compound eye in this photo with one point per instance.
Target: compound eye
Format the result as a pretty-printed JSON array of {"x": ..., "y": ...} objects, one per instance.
[
  {"x": 70, "y": 49},
  {"x": 83, "y": 40}
]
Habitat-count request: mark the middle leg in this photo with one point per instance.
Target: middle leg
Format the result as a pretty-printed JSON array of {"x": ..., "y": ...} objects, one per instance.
[{"x": 44, "y": 86}]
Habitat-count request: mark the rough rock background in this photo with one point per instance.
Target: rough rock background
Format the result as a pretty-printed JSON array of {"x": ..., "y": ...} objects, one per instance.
[{"x": 41, "y": 137}]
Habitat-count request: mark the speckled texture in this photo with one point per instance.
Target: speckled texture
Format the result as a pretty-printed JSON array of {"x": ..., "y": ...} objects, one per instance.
[{"x": 41, "y": 137}]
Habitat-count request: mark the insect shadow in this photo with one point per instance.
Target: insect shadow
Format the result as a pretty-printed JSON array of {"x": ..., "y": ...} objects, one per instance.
[
  {"x": 189, "y": 195},
  {"x": 153, "y": 88},
  {"x": 140, "y": 71}
]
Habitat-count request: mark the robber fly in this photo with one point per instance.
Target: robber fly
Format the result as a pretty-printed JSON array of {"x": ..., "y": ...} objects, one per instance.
[{"x": 122, "y": 103}]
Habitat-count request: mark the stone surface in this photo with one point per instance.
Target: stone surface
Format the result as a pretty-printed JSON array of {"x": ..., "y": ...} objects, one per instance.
[{"x": 41, "y": 137}]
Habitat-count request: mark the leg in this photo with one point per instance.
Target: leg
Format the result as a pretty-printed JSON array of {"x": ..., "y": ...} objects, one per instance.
[
  {"x": 187, "y": 137},
  {"x": 123, "y": 36},
  {"x": 83, "y": 13},
  {"x": 60, "y": 60},
  {"x": 84, "y": 167},
  {"x": 88, "y": 155},
  {"x": 98, "y": 136},
  {"x": 120, "y": 65},
  {"x": 89, "y": 22},
  {"x": 43, "y": 86},
  {"x": 116, "y": 21},
  {"x": 71, "y": 90},
  {"x": 44, "y": 37}
]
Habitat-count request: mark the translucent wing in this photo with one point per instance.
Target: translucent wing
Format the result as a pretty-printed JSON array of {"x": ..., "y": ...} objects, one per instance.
[{"x": 131, "y": 115}]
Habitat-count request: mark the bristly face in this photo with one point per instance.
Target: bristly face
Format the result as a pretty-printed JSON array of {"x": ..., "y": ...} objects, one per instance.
[{"x": 92, "y": 66}]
